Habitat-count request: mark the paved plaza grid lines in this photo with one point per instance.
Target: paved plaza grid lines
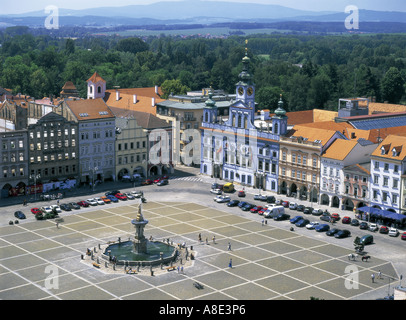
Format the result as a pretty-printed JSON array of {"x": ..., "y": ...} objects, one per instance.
[{"x": 268, "y": 261}]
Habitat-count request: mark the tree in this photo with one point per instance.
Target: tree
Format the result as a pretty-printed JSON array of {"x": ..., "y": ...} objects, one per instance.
[
  {"x": 174, "y": 87},
  {"x": 268, "y": 98},
  {"x": 69, "y": 46},
  {"x": 133, "y": 45},
  {"x": 393, "y": 86}
]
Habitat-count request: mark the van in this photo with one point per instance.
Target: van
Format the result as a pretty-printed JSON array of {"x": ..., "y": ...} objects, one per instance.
[
  {"x": 228, "y": 187},
  {"x": 274, "y": 211}
]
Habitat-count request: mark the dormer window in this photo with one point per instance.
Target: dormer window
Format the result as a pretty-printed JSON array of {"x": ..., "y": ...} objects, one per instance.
[
  {"x": 394, "y": 153},
  {"x": 382, "y": 151}
]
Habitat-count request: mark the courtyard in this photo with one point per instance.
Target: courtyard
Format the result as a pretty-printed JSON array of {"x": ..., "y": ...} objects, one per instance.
[{"x": 40, "y": 261}]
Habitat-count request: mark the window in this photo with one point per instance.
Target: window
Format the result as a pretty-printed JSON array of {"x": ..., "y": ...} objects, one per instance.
[
  {"x": 376, "y": 165},
  {"x": 384, "y": 196},
  {"x": 375, "y": 195},
  {"x": 395, "y": 183},
  {"x": 396, "y": 169},
  {"x": 385, "y": 181},
  {"x": 394, "y": 198},
  {"x": 386, "y": 166},
  {"x": 376, "y": 179}
]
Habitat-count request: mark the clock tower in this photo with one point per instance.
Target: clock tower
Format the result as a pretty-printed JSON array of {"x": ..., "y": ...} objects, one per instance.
[{"x": 245, "y": 88}]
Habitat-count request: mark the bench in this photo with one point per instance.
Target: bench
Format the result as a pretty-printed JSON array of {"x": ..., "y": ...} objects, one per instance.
[
  {"x": 96, "y": 265},
  {"x": 170, "y": 268}
]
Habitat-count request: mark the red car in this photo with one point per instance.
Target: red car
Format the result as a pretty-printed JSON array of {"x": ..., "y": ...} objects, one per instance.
[
  {"x": 384, "y": 229},
  {"x": 157, "y": 180},
  {"x": 120, "y": 196},
  {"x": 403, "y": 236},
  {"x": 335, "y": 216},
  {"x": 256, "y": 209},
  {"x": 147, "y": 182},
  {"x": 261, "y": 212},
  {"x": 285, "y": 204},
  {"x": 241, "y": 193},
  {"x": 83, "y": 204},
  {"x": 346, "y": 220},
  {"x": 35, "y": 210},
  {"x": 165, "y": 178}
]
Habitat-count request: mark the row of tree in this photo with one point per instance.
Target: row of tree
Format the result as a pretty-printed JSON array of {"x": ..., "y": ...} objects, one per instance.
[{"x": 310, "y": 71}]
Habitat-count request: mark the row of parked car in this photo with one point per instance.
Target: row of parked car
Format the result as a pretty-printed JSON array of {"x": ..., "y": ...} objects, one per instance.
[
  {"x": 275, "y": 210},
  {"x": 109, "y": 197}
]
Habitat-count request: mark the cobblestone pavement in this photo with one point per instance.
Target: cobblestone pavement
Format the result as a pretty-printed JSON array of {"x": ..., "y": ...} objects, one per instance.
[{"x": 39, "y": 260}]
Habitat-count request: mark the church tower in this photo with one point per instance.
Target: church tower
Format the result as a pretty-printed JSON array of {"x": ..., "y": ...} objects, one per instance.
[
  {"x": 96, "y": 87},
  {"x": 210, "y": 109},
  {"x": 280, "y": 120},
  {"x": 245, "y": 88}
]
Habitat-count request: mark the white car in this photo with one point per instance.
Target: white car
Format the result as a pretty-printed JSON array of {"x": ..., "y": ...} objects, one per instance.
[
  {"x": 92, "y": 202},
  {"x": 46, "y": 209},
  {"x": 216, "y": 191},
  {"x": 293, "y": 205},
  {"x": 56, "y": 208},
  {"x": 99, "y": 201},
  {"x": 373, "y": 227},
  {"x": 222, "y": 199},
  {"x": 393, "y": 232},
  {"x": 137, "y": 194},
  {"x": 312, "y": 225}
]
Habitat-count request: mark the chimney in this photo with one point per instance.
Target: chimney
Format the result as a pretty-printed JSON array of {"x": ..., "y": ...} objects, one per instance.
[
  {"x": 134, "y": 98},
  {"x": 117, "y": 95},
  {"x": 153, "y": 102},
  {"x": 156, "y": 89}
]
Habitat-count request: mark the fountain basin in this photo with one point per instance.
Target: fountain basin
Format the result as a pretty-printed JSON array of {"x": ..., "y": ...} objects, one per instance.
[{"x": 125, "y": 254}]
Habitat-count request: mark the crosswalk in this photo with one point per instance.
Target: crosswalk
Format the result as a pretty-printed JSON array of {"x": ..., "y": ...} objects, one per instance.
[{"x": 192, "y": 178}]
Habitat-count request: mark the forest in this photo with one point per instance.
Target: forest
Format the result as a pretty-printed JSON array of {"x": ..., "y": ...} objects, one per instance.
[{"x": 311, "y": 71}]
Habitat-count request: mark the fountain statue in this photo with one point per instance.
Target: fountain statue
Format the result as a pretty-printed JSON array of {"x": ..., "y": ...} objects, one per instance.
[{"x": 140, "y": 242}]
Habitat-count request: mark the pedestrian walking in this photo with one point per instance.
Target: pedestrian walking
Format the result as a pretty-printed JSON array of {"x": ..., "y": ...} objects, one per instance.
[
  {"x": 379, "y": 274},
  {"x": 229, "y": 247},
  {"x": 200, "y": 237},
  {"x": 262, "y": 221},
  {"x": 214, "y": 239},
  {"x": 230, "y": 264},
  {"x": 373, "y": 278},
  {"x": 207, "y": 240}
]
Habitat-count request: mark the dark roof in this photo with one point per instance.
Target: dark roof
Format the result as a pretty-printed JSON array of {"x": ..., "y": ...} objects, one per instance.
[{"x": 144, "y": 119}]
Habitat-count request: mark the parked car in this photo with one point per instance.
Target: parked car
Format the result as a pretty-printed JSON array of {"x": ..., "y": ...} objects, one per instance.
[
  {"x": 285, "y": 204},
  {"x": 147, "y": 182},
  {"x": 99, "y": 201},
  {"x": 74, "y": 205},
  {"x": 65, "y": 207},
  {"x": 257, "y": 196},
  {"x": 216, "y": 191},
  {"x": 46, "y": 209},
  {"x": 55, "y": 209},
  {"x": 393, "y": 232},
  {"x": 217, "y": 186},
  {"x": 112, "y": 198},
  {"x": 222, "y": 199},
  {"x": 35, "y": 210},
  {"x": 355, "y": 222},
  {"x": 308, "y": 210},
  {"x": 326, "y": 217},
  {"x": 241, "y": 193},
  {"x": 105, "y": 199},
  {"x": 302, "y": 223},
  {"x": 263, "y": 197},
  {"x": 278, "y": 202},
  {"x": 317, "y": 212},
  {"x": 83, "y": 203},
  {"x": 367, "y": 239},
  {"x": 342, "y": 234},
  {"x": 120, "y": 196},
  {"x": 19, "y": 215},
  {"x": 163, "y": 183},
  {"x": 242, "y": 203},
  {"x": 233, "y": 203},
  {"x": 129, "y": 196},
  {"x": 384, "y": 229},
  {"x": 335, "y": 216},
  {"x": 137, "y": 194},
  {"x": 281, "y": 217},
  {"x": 293, "y": 206},
  {"x": 91, "y": 202},
  {"x": 157, "y": 180},
  {"x": 248, "y": 207},
  {"x": 256, "y": 209},
  {"x": 373, "y": 227},
  {"x": 332, "y": 232},
  {"x": 312, "y": 225},
  {"x": 300, "y": 207},
  {"x": 112, "y": 193},
  {"x": 296, "y": 219},
  {"x": 270, "y": 199},
  {"x": 322, "y": 227},
  {"x": 363, "y": 225},
  {"x": 262, "y": 211},
  {"x": 346, "y": 220},
  {"x": 403, "y": 236}
]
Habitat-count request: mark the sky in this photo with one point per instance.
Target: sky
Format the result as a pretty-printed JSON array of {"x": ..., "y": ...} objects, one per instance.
[{"x": 22, "y": 6}]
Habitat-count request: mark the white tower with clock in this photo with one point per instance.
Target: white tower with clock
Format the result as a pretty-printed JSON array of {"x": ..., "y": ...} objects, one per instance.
[{"x": 245, "y": 88}]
